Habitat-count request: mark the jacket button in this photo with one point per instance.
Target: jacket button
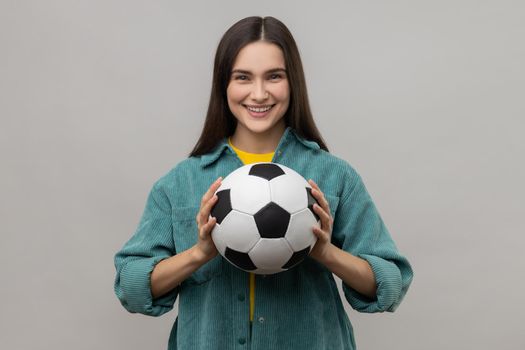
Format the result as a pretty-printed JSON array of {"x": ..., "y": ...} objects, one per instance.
[
  {"x": 242, "y": 341},
  {"x": 240, "y": 297},
  {"x": 261, "y": 319}
]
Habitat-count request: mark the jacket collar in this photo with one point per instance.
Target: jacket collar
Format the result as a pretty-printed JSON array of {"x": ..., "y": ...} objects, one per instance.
[{"x": 289, "y": 135}]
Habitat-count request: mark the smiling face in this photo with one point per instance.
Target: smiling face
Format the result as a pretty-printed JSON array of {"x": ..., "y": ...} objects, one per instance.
[{"x": 258, "y": 96}]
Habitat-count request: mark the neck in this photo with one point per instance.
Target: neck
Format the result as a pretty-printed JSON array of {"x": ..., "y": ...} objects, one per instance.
[{"x": 259, "y": 143}]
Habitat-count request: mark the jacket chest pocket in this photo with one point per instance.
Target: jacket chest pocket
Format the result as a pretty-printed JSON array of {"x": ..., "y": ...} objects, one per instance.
[{"x": 185, "y": 233}]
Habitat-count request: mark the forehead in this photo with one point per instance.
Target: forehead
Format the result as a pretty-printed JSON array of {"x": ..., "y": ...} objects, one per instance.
[{"x": 259, "y": 56}]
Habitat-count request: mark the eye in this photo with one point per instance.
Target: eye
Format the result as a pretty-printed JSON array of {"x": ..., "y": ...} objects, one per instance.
[
  {"x": 275, "y": 76},
  {"x": 241, "y": 77}
]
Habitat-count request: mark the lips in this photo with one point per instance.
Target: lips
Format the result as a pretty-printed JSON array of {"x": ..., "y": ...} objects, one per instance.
[
  {"x": 259, "y": 112},
  {"x": 259, "y": 109}
]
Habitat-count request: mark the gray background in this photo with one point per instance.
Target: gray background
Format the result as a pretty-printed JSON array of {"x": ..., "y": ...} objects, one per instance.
[{"x": 425, "y": 99}]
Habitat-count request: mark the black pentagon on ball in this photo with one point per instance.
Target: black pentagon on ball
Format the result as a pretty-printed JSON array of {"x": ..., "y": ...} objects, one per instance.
[
  {"x": 239, "y": 259},
  {"x": 267, "y": 171},
  {"x": 311, "y": 201},
  {"x": 222, "y": 207},
  {"x": 296, "y": 258},
  {"x": 272, "y": 221}
]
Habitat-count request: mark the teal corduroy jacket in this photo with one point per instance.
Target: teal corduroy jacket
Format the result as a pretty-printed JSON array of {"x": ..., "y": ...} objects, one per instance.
[{"x": 296, "y": 309}]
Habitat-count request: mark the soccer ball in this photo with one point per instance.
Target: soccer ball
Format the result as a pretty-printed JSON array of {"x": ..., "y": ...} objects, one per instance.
[{"x": 264, "y": 218}]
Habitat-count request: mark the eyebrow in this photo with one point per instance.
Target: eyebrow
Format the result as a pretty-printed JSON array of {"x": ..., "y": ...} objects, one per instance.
[{"x": 273, "y": 70}]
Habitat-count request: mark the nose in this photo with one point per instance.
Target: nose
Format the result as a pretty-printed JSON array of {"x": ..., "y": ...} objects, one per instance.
[{"x": 259, "y": 92}]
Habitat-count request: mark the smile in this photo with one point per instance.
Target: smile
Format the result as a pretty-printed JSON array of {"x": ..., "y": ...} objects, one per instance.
[{"x": 261, "y": 109}]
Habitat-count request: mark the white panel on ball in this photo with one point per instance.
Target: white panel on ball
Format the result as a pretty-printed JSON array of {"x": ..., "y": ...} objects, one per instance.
[
  {"x": 239, "y": 230},
  {"x": 296, "y": 235},
  {"x": 233, "y": 177},
  {"x": 251, "y": 194},
  {"x": 271, "y": 254},
  {"x": 284, "y": 190}
]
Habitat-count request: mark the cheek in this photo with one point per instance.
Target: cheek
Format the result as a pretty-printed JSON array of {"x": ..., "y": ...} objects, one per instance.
[
  {"x": 235, "y": 93},
  {"x": 281, "y": 92},
  {"x": 234, "y": 98}
]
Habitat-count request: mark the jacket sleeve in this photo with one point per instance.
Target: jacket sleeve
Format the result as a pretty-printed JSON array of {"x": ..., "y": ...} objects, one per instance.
[
  {"x": 151, "y": 243},
  {"x": 359, "y": 230}
]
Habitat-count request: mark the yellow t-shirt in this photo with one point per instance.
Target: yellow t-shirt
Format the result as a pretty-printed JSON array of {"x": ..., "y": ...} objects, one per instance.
[{"x": 248, "y": 158}]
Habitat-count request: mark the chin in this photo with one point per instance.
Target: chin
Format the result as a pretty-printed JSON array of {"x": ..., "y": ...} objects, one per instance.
[{"x": 262, "y": 126}]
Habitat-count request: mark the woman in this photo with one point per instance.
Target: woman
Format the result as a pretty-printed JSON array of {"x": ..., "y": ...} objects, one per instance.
[{"x": 259, "y": 111}]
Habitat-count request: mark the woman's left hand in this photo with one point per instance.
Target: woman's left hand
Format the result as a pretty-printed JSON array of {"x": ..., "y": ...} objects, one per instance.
[{"x": 324, "y": 233}]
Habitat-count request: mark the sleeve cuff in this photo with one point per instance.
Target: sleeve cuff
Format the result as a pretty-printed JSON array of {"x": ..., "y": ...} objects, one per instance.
[
  {"x": 136, "y": 286},
  {"x": 389, "y": 284}
]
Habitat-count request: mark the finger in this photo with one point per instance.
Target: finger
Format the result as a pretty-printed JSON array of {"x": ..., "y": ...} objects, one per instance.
[
  {"x": 204, "y": 233},
  {"x": 323, "y": 214},
  {"x": 211, "y": 223},
  {"x": 320, "y": 234},
  {"x": 211, "y": 190},
  {"x": 205, "y": 211},
  {"x": 315, "y": 187},
  {"x": 316, "y": 192},
  {"x": 321, "y": 199},
  {"x": 313, "y": 184}
]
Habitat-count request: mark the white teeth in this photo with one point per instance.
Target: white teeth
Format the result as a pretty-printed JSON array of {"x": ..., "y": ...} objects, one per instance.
[{"x": 259, "y": 110}]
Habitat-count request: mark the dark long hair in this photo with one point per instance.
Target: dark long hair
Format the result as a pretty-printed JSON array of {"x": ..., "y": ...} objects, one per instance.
[{"x": 220, "y": 122}]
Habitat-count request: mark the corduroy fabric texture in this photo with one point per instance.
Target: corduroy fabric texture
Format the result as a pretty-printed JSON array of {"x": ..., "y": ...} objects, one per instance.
[{"x": 296, "y": 309}]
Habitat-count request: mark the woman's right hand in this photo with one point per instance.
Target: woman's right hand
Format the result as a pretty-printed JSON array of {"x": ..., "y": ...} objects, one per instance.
[{"x": 205, "y": 246}]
